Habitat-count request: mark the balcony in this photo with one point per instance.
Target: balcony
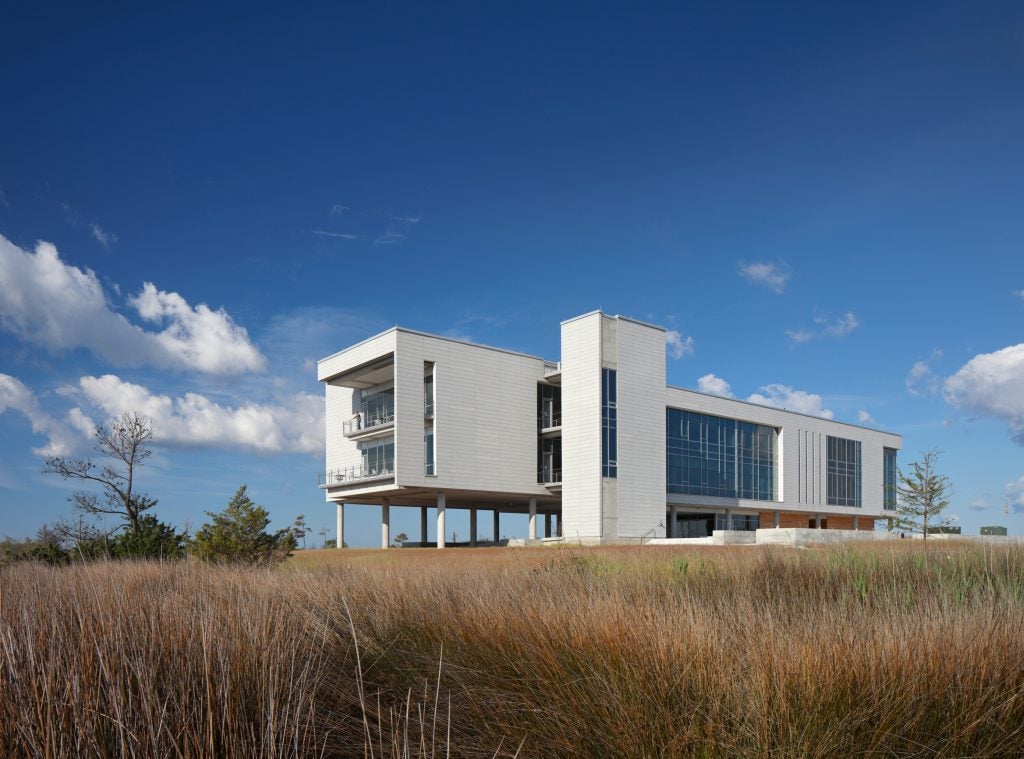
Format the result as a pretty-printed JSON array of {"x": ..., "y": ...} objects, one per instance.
[
  {"x": 355, "y": 475},
  {"x": 369, "y": 423},
  {"x": 550, "y": 422},
  {"x": 550, "y": 478}
]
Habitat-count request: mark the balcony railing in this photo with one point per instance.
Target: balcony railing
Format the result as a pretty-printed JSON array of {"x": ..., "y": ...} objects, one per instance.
[
  {"x": 353, "y": 474},
  {"x": 368, "y": 420},
  {"x": 550, "y": 476},
  {"x": 547, "y": 421}
]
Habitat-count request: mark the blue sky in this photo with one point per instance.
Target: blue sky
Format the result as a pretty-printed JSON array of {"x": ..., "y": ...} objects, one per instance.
[{"x": 823, "y": 201}]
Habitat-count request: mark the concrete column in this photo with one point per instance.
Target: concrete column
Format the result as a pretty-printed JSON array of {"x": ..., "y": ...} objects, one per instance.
[
  {"x": 497, "y": 526},
  {"x": 340, "y": 533},
  {"x": 671, "y": 531},
  {"x": 778, "y": 519},
  {"x": 856, "y": 523},
  {"x": 440, "y": 520},
  {"x": 817, "y": 521},
  {"x": 385, "y": 522},
  {"x": 423, "y": 525},
  {"x": 728, "y": 519},
  {"x": 533, "y": 519},
  {"x": 547, "y": 525},
  {"x": 472, "y": 527}
]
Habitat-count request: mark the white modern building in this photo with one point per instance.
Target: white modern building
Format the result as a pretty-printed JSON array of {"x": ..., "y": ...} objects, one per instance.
[{"x": 595, "y": 444}]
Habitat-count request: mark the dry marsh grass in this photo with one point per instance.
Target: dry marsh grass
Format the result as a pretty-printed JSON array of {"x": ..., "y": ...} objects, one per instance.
[{"x": 874, "y": 650}]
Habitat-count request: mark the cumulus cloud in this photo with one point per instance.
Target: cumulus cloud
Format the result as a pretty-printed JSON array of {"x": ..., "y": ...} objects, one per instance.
[
  {"x": 713, "y": 385},
  {"x": 769, "y": 275},
  {"x": 59, "y": 306},
  {"x": 15, "y": 396},
  {"x": 678, "y": 346},
  {"x": 776, "y": 395},
  {"x": 992, "y": 385},
  {"x": 978, "y": 504},
  {"x": 294, "y": 424},
  {"x": 785, "y": 397},
  {"x": 825, "y": 326}
]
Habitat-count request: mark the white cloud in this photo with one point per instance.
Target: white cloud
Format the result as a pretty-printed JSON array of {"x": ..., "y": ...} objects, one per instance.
[
  {"x": 295, "y": 424},
  {"x": 785, "y": 397},
  {"x": 1014, "y": 492},
  {"x": 104, "y": 238},
  {"x": 765, "y": 274},
  {"x": 14, "y": 395},
  {"x": 864, "y": 417},
  {"x": 826, "y": 327},
  {"x": 1019, "y": 294},
  {"x": 339, "y": 235},
  {"x": 337, "y": 209},
  {"x": 992, "y": 385},
  {"x": 59, "y": 306},
  {"x": 978, "y": 504},
  {"x": 390, "y": 238},
  {"x": 844, "y": 325},
  {"x": 713, "y": 385},
  {"x": 678, "y": 346},
  {"x": 921, "y": 379}
]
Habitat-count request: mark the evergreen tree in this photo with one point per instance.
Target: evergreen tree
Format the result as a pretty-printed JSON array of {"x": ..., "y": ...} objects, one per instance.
[
  {"x": 238, "y": 535},
  {"x": 923, "y": 494}
]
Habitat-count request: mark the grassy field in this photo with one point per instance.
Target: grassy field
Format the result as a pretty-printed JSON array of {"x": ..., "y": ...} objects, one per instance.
[{"x": 876, "y": 650}]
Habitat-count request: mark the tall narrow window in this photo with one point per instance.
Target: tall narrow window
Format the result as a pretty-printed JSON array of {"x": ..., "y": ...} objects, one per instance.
[
  {"x": 428, "y": 389},
  {"x": 889, "y": 474},
  {"x": 843, "y": 472},
  {"x": 428, "y": 450},
  {"x": 609, "y": 424}
]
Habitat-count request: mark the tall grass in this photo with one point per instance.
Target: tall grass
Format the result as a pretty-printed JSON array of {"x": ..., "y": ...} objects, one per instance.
[{"x": 874, "y": 650}]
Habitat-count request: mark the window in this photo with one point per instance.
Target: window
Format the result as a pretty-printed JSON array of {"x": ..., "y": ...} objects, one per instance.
[
  {"x": 549, "y": 463},
  {"x": 843, "y": 472},
  {"x": 609, "y": 423},
  {"x": 720, "y": 457},
  {"x": 378, "y": 457},
  {"x": 377, "y": 406},
  {"x": 428, "y": 389},
  {"x": 428, "y": 451},
  {"x": 889, "y": 478},
  {"x": 549, "y": 406}
]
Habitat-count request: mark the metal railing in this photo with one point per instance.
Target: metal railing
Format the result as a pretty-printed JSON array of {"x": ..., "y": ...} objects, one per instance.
[
  {"x": 550, "y": 476},
  {"x": 351, "y": 474},
  {"x": 367, "y": 420},
  {"x": 551, "y": 420}
]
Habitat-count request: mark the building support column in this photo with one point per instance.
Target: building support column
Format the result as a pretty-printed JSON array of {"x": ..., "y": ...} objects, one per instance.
[
  {"x": 547, "y": 525},
  {"x": 440, "y": 520},
  {"x": 533, "y": 519},
  {"x": 728, "y": 519},
  {"x": 670, "y": 532},
  {"x": 856, "y": 523},
  {"x": 385, "y": 522},
  {"x": 558, "y": 525},
  {"x": 778, "y": 518},
  {"x": 340, "y": 533},
  {"x": 817, "y": 521},
  {"x": 423, "y": 526},
  {"x": 497, "y": 526},
  {"x": 472, "y": 526}
]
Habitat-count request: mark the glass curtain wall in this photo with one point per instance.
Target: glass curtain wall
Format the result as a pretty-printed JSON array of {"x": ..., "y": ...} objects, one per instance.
[
  {"x": 377, "y": 406},
  {"x": 843, "y": 471},
  {"x": 378, "y": 457},
  {"x": 889, "y": 474},
  {"x": 719, "y": 457}
]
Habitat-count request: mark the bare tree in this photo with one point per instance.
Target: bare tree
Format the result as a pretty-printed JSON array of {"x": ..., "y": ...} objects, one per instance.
[{"x": 126, "y": 441}]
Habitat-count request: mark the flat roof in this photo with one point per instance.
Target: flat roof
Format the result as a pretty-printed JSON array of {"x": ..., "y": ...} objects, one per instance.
[
  {"x": 778, "y": 408},
  {"x": 398, "y": 328},
  {"x": 615, "y": 316}
]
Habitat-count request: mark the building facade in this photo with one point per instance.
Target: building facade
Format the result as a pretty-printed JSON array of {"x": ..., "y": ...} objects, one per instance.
[{"x": 596, "y": 445}]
